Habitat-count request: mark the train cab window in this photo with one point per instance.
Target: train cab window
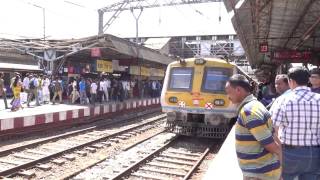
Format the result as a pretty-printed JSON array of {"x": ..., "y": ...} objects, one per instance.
[
  {"x": 181, "y": 78},
  {"x": 215, "y": 79}
]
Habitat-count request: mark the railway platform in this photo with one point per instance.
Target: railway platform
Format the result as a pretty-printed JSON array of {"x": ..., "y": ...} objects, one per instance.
[
  {"x": 50, "y": 116},
  {"x": 225, "y": 164}
]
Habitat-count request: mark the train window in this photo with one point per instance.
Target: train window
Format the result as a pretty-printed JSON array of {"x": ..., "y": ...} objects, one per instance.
[
  {"x": 181, "y": 78},
  {"x": 215, "y": 80}
]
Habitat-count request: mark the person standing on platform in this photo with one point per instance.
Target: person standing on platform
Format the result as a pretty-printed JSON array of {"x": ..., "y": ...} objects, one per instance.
[
  {"x": 39, "y": 88},
  {"x": 100, "y": 92},
  {"x": 132, "y": 85},
  {"x": 45, "y": 89},
  {"x": 75, "y": 92},
  {"x": 282, "y": 89},
  {"x": 82, "y": 90},
  {"x": 297, "y": 119},
  {"x": 14, "y": 77},
  {"x": 93, "y": 91},
  {"x": 3, "y": 91},
  {"x": 33, "y": 90},
  {"x": 108, "y": 82},
  {"x": 88, "y": 88},
  {"x": 315, "y": 80},
  {"x": 16, "y": 89},
  {"x": 104, "y": 86},
  {"x": 26, "y": 84},
  {"x": 57, "y": 89},
  {"x": 257, "y": 149}
]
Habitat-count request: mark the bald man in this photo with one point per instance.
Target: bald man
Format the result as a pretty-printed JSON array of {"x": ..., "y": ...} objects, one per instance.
[{"x": 282, "y": 88}]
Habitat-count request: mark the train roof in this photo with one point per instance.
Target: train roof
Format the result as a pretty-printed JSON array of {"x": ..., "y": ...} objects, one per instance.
[{"x": 217, "y": 60}]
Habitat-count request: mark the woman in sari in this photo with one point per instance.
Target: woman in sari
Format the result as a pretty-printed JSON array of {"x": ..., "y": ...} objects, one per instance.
[{"x": 16, "y": 89}]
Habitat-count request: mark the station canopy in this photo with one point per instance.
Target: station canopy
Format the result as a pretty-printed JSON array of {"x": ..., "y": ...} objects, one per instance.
[
  {"x": 275, "y": 32},
  {"x": 110, "y": 47}
]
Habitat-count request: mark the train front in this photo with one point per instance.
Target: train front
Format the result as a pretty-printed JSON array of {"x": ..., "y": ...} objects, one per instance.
[{"x": 194, "y": 98}]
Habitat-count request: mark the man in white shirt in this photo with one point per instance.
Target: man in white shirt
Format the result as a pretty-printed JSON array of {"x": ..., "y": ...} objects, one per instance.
[
  {"x": 108, "y": 82},
  {"x": 154, "y": 88},
  {"x": 93, "y": 91},
  {"x": 104, "y": 86},
  {"x": 33, "y": 90},
  {"x": 299, "y": 119},
  {"x": 25, "y": 83},
  {"x": 45, "y": 90},
  {"x": 125, "y": 91},
  {"x": 282, "y": 88}
]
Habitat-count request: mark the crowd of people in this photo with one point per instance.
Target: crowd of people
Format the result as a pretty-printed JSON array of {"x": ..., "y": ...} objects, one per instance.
[
  {"x": 284, "y": 141},
  {"x": 80, "y": 90}
]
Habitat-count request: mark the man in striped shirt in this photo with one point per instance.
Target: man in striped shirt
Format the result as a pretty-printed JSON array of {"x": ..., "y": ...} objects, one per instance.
[
  {"x": 298, "y": 116},
  {"x": 258, "y": 153}
]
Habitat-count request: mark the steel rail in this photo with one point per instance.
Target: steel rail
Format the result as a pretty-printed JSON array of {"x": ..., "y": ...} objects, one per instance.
[
  {"x": 102, "y": 125},
  {"x": 136, "y": 165},
  {"x": 195, "y": 166},
  {"x": 156, "y": 152},
  {"x": 34, "y": 162},
  {"x": 103, "y": 159}
]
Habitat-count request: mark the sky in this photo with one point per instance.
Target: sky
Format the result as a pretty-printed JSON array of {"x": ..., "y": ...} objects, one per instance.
[{"x": 64, "y": 20}]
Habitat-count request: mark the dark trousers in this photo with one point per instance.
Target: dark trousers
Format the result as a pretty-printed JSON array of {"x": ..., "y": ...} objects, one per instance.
[
  {"x": 4, "y": 95},
  {"x": 33, "y": 93},
  {"x": 93, "y": 98},
  {"x": 100, "y": 96}
]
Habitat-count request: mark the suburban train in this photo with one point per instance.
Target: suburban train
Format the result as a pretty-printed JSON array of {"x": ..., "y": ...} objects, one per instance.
[{"x": 194, "y": 98}]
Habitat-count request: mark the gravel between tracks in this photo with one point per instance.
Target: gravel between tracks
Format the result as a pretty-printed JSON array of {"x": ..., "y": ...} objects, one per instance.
[{"x": 82, "y": 162}]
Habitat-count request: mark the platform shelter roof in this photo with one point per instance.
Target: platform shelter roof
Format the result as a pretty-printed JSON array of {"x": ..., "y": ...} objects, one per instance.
[{"x": 273, "y": 32}]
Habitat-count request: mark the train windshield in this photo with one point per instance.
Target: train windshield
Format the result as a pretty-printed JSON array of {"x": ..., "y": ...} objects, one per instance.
[
  {"x": 215, "y": 80},
  {"x": 181, "y": 78}
]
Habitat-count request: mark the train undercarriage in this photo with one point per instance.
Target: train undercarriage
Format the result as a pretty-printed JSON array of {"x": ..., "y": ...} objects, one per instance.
[{"x": 199, "y": 125}]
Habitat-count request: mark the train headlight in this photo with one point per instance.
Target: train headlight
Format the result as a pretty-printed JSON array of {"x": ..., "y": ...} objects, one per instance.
[
  {"x": 218, "y": 102},
  {"x": 173, "y": 99},
  {"x": 199, "y": 61}
]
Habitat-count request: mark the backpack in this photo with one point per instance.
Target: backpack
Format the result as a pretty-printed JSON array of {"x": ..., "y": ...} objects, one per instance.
[{"x": 32, "y": 85}]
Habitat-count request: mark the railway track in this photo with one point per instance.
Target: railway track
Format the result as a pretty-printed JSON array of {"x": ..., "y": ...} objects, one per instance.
[
  {"x": 171, "y": 161},
  {"x": 74, "y": 144},
  {"x": 167, "y": 157},
  {"x": 102, "y": 123}
]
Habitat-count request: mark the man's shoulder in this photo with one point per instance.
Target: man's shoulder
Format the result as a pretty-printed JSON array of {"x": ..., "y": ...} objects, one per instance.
[
  {"x": 316, "y": 96},
  {"x": 254, "y": 108},
  {"x": 253, "y": 104}
]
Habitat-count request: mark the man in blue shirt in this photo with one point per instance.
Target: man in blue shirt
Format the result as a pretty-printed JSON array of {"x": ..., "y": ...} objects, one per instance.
[{"x": 82, "y": 91}]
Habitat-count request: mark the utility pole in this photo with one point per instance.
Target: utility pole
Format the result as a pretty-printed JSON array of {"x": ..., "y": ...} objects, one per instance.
[
  {"x": 44, "y": 19},
  {"x": 137, "y": 48},
  {"x": 137, "y": 22},
  {"x": 44, "y": 23},
  {"x": 49, "y": 64}
]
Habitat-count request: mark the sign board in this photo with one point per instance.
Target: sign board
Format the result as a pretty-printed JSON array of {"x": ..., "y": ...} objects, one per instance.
[
  {"x": 145, "y": 71},
  {"x": 292, "y": 56},
  {"x": 156, "y": 72},
  {"x": 134, "y": 70},
  {"x": 104, "y": 66},
  {"x": 263, "y": 47}
]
